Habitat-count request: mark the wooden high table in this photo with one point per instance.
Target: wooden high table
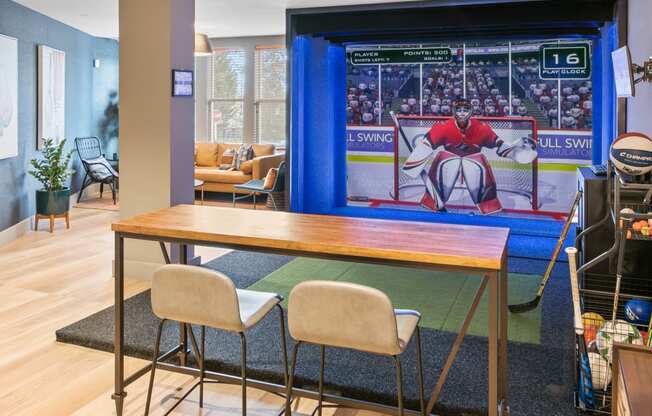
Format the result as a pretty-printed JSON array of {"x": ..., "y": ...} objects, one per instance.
[{"x": 456, "y": 248}]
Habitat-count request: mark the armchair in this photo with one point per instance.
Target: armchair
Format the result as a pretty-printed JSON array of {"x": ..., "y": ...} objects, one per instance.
[
  {"x": 256, "y": 186},
  {"x": 97, "y": 169}
]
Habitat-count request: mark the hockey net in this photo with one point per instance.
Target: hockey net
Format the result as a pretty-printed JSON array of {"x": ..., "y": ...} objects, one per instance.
[{"x": 511, "y": 177}]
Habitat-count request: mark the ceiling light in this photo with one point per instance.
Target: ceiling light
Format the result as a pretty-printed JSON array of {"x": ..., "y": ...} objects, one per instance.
[{"x": 202, "y": 45}]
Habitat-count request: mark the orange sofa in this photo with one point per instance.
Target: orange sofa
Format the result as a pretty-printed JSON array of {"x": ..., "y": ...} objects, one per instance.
[{"x": 210, "y": 156}]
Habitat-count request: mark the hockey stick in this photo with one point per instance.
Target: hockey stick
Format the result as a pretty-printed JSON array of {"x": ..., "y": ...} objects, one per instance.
[
  {"x": 625, "y": 225},
  {"x": 534, "y": 303},
  {"x": 400, "y": 130},
  {"x": 585, "y": 383}
]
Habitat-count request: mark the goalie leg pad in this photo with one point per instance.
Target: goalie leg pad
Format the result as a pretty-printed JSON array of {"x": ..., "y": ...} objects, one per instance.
[
  {"x": 430, "y": 199},
  {"x": 481, "y": 183},
  {"x": 428, "y": 202},
  {"x": 444, "y": 173}
]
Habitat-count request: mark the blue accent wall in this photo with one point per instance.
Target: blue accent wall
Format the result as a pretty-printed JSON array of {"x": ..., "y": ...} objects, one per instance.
[
  {"x": 87, "y": 95},
  {"x": 604, "y": 94},
  {"x": 318, "y": 126}
]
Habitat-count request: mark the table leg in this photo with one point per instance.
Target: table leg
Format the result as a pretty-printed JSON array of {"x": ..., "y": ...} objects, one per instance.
[
  {"x": 493, "y": 347},
  {"x": 456, "y": 346},
  {"x": 183, "y": 334},
  {"x": 119, "y": 393},
  {"x": 503, "y": 376}
]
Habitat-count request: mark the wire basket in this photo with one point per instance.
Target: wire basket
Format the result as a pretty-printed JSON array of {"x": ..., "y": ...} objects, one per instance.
[
  {"x": 600, "y": 331},
  {"x": 639, "y": 226}
]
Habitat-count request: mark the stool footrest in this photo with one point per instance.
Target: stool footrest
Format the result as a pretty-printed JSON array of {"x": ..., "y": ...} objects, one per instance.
[{"x": 182, "y": 398}]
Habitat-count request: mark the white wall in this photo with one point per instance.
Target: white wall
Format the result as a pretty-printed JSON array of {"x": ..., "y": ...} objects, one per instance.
[
  {"x": 639, "y": 108},
  {"x": 202, "y": 131},
  {"x": 156, "y": 129}
]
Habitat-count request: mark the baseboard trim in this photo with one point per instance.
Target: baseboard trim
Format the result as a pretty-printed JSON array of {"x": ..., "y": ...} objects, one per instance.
[
  {"x": 23, "y": 227},
  {"x": 16, "y": 231}
]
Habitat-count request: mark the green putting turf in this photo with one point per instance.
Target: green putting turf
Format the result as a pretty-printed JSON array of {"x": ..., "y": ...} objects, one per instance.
[{"x": 443, "y": 298}]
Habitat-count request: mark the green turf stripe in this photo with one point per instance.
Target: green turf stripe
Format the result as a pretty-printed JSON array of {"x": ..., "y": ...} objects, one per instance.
[
  {"x": 442, "y": 298},
  {"x": 558, "y": 166},
  {"x": 507, "y": 164},
  {"x": 370, "y": 159}
]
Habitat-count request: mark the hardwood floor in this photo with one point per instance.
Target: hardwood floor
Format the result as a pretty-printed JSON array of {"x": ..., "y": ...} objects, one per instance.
[
  {"x": 48, "y": 281},
  {"x": 210, "y": 198}
]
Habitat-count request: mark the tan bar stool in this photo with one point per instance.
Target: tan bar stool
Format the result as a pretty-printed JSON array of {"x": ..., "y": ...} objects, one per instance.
[
  {"x": 352, "y": 316},
  {"x": 199, "y": 296}
]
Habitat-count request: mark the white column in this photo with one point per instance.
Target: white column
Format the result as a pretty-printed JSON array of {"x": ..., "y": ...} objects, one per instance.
[
  {"x": 420, "y": 87},
  {"x": 509, "y": 58},
  {"x": 464, "y": 70},
  {"x": 558, "y": 98},
  {"x": 156, "y": 129},
  {"x": 380, "y": 94}
]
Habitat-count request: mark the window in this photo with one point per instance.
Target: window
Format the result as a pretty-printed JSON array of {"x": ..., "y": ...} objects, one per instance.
[
  {"x": 271, "y": 86},
  {"x": 241, "y": 91},
  {"x": 226, "y": 92}
]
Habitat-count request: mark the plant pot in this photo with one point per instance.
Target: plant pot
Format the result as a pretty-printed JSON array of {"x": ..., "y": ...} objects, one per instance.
[{"x": 53, "y": 202}]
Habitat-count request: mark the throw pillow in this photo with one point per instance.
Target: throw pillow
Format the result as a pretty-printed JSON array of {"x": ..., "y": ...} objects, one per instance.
[
  {"x": 270, "y": 178},
  {"x": 241, "y": 156},
  {"x": 227, "y": 157},
  {"x": 207, "y": 154},
  {"x": 235, "y": 164},
  {"x": 99, "y": 169},
  {"x": 247, "y": 166}
]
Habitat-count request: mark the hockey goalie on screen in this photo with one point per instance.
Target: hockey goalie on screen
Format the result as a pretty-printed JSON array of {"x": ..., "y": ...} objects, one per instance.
[{"x": 462, "y": 138}]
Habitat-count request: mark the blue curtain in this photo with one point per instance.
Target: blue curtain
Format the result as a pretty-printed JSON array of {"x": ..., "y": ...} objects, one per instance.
[
  {"x": 604, "y": 94},
  {"x": 318, "y": 130}
]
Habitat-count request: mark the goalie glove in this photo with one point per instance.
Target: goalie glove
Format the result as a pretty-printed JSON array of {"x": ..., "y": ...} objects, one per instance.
[
  {"x": 523, "y": 150},
  {"x": 418, "y": 158}
]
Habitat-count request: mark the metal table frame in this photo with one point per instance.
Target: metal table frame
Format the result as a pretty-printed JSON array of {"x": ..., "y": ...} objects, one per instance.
[
  {"x": 496, "y": 280},
  {"x": 199, "y": 183}
]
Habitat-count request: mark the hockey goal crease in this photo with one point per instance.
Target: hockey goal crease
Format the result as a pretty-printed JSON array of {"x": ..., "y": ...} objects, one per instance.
[{"x": 511, "y": 177}]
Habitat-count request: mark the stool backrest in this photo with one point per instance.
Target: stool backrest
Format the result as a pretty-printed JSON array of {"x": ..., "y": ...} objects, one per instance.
[
  {"x": 343, "y": 315},
  {"x": 279, "y": 182},
  {"x": 196, "y": 295}
]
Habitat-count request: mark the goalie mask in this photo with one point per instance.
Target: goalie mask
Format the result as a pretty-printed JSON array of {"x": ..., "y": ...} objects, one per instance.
[{"x": 462, "y": 111}]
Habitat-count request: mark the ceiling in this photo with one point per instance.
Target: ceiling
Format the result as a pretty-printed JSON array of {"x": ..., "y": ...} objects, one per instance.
[{"x": 216, "y": 18}]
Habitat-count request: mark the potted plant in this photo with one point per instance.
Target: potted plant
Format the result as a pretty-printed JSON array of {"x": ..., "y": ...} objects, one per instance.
[{"x": 53, "y": 173}]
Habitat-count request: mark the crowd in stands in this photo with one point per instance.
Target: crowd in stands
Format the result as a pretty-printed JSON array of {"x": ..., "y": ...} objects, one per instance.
[
  {"x": 445, "y": 84},
  {"x": 486, "y": 85},
  {"x": 575, "y": 97},
  {"x": 363, "y": 103}
]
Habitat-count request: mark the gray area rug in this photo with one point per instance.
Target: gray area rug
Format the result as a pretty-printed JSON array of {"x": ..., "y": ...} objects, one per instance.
[{"x": 541, "y": 376}]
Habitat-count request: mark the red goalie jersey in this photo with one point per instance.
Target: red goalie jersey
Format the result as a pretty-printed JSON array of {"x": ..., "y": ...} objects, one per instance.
[{"x": 462, "y": 142}]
